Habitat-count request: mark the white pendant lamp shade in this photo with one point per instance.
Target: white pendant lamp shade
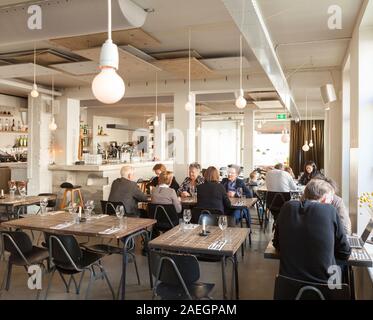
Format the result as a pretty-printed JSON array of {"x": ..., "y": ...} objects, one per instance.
[
  {"x": 260, "y": 125},
  {"x": 285, "y": 138},
  {"x": 108, "y": 87},
  {"x": 34, "y": 93},
  {"x": 241, "y": 123},
  {"x": 156, "y": 121},
  {"x": 306, "y": 147},
  {"x": 241, "y": 101},
  {"x": 53, "y": 125}
]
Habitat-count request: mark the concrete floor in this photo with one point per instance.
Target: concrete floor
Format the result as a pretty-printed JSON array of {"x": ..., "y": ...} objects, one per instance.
[{"x": 256, "y": 277}]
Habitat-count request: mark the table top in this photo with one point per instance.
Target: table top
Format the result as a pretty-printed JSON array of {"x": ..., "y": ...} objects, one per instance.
[
  {"x": 300, "y": 189},
  {"x": 190, "y": 241},
  {"x": 89, "y": 228},
  {"x": 272, "y": 253},
  {"x": 19, "y": 201}
]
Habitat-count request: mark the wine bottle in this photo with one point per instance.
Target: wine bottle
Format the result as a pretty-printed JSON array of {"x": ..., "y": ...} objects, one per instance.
[
  {"x": 13, "y": 126},
  {"x": 6, "y": 124}
]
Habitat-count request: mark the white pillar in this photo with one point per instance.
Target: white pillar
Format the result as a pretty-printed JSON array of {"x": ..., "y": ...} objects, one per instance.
[
  {"x": 68, "y": 129},
  {"x": 39, "y": 176},
  {"x": 248, "y": 149},
  {"x": 184, "y": 134},
  {"x": 160, "y": 138}
]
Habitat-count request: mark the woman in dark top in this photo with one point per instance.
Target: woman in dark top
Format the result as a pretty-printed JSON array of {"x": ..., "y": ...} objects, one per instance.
[
  {"x": 211, "y": 194},
  {"x": 158, "y": 169},
  {"x": 310, "y": 171}
]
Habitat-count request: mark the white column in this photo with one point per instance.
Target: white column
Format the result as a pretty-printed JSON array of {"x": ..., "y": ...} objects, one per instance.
[
  {"x": 248, "y": 149},
  {"x": 184, "y": 134},
  {"x": 39, "y": 176},
  {"x": 160, "y": 138},
  {"x": 67, "y": 134}
]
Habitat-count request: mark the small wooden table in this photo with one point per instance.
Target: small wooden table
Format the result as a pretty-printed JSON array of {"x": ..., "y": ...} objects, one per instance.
[
  {"x": 10, "y": 203},
  {"x": 189, "y": 241},
  {"x": 92, "y": 228}
]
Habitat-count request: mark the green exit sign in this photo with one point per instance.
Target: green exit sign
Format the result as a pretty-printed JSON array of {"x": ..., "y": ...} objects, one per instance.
[{"x": 281, "y": 116}]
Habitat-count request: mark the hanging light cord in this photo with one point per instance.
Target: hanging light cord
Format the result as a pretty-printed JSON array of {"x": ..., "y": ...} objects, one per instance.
[
  {"x": 109, "y": 19},
  {"x": 156, "y": 94},
  {"x": 240, "y": 61},
  {"x": 306, "y": 113},
  {"x": 53, "y": 95},
  {"x": 189, "y": 40},
  {"x": 34, "y": 63}
]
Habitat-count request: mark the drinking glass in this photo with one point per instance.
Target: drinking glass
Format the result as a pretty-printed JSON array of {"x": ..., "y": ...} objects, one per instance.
[
  {"x": 187, "y": 215},
  {"x": 72, "y": 207},
  {"x": 192, "y": 191},
  {"x": 119, "y": 211},
  {"x": 43, "y": 206},
  {"x": 239, "y": 192},
  {"x": 12, "y": 188},
  {"x": 22, "y": 190},
  {"x": 223, "y": 224},
  {"x": 89, "y": 206}
]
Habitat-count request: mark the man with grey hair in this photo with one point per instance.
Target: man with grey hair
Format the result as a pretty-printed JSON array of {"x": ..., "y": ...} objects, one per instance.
[
  {"x": 278, "y": 180},
  {"x": 125, "y": 190},
  {"x": 309, "y": 235}
]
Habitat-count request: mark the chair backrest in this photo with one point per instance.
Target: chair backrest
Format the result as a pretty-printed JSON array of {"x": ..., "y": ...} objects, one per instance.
[
  {"x": 275, "y": 200},
  {"x": 165, "y": 214},
  {"x": 52, "y": 202},
  {"x": 17, "y": 243},
  {"x": 292, "y": 289},
  {"x": 171, "y": 265},
  {"x": 108, "y": 207},
  {"x": 64, "y": 250},
  {"x": 211, "y": 217}
]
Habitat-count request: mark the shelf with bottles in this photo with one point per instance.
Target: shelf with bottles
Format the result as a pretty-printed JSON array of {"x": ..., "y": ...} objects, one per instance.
[
  {"x": 8, "y": 115},
  {"x": 17, "y": 132}
]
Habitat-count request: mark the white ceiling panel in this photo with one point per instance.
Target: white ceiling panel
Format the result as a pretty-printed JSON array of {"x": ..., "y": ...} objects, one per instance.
[{"x": 24, "y": 70}]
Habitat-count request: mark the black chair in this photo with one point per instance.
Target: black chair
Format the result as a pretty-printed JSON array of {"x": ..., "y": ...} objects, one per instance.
[
  {"x": 22, "y": 253},
  {"x": 165, "y": 214},
  {"x": 176, "y": 277},
  {"x": 69, "y": 259},
  {"x": 211, "y": 217},
  {"x": 108, "y": 207},
  {"x": 292, "y": 289},
  {"x": 275, "y": 201}
]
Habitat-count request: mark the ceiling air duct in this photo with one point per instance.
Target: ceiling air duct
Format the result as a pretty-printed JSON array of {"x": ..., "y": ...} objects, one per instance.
[{"x": 67, "y": 19}]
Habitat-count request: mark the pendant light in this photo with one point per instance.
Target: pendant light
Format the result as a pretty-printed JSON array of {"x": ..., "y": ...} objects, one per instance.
[
  {"x": 306, "y": 147},
  {"x": 53, "y": 125},
  {"x": 189, "y": 104},
  {"x": 108, "y": 87},
  {"x": 313, "y": 130},
  {"x": 156, "y": 121},
  {"x": 260, "y": 125},
  {"x": 241, "y": 101},
  {"x": 285, "y": 138},
  {"x": 34, "y": 92},
  {"x": 242, "y": 123}
]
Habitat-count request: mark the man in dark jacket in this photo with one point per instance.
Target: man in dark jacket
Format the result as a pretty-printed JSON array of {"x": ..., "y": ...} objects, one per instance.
[
  {"x": 310, "y": 236},
  {"x": 125, "y": 190}
]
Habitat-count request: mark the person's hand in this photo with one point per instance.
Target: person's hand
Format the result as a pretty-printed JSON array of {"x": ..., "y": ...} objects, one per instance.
[
  {"x": 231, "y": 194},
  {"x": 185, "y": 194}
]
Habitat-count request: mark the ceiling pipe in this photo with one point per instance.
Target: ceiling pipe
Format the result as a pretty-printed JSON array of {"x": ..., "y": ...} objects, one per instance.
[
  {"x": 27, "y": 87},
  {"x": 67, "y": 19}
]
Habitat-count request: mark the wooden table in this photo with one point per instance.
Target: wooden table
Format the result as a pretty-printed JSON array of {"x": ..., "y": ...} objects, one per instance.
[
  {"x": 135, "y": 227},
  {"x": 10, "y": 203},
  {"x": 189, "y": 241}
]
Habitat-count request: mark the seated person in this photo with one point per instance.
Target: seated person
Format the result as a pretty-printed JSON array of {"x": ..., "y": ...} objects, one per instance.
[
  {"x": 290, "y": 171},
  {"x": 211, "y": 194},
  {"x": 232, "y": 185},
  {"x": 125, "y": 190},
  {"x": 310, "y": 236},
  {"x": 310, "y": 171},
  {"x": 337, "y": 203},
  {"x": 164, "y": 194},
  {"x": 278, "y": 180},
  {"x": 158, "y": 169},
  {"x": 193, "y": 180}
]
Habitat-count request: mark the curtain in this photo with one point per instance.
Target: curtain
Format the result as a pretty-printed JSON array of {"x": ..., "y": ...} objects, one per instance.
[{"x": 299, "y": 133}]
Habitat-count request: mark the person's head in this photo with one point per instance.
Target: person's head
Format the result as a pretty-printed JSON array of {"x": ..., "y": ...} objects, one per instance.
[
  {"x": 159, "y": 168},
  {"x": 211, "y": 174},
  {"x": 254, "y": 176},
  {"x": 289, "y": 170},
  {"x": 318, "y": 190},
  {"x": 194, "y": 170},
  {"x": 279, "y": 166},
  {"x": 310, "y": 168},
  {"x": 332, "y": 183},
  {"x": 233, "y": 172},
  {"x": 127, "y": 172},
  {"x": 165, "y": 177}
]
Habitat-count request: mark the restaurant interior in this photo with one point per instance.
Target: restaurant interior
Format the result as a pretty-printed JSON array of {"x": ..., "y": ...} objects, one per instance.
[{"x": 145, "y": 146}]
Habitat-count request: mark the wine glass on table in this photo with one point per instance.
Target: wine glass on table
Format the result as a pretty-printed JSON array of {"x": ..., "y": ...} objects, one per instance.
[
  {"x": 187, "y": 215},
  {"x": 12, "y": 188},
  {"x": 223, "y": 224},
  {"x": 43, "y": 206},
  {"x": 90, "y": 205},
  {"x": 119, "y": 211},
  {"x": 22, "y": 190}
]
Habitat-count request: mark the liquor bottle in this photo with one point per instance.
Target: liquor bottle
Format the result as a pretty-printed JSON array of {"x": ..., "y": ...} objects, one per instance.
[
  {"x": 26, "y": 139},
  {"x": 6, "y": 124},
  {"x": 13, "y": 126},
  {"x": 19, "y": 126},
  {"x": 99, "y": 130}
]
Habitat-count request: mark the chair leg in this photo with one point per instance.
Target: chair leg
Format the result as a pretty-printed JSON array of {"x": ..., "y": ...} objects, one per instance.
[
  {"x": 136, "y": 269},
  {"x": 80, "y": 283},
  {"x": 8, "y": 276},
  {"x": 67, "y": 285},
  {"x": 91, "y": 278},
  {"x": 107, "y": 280},
  {"x": 49, "y": 282}
]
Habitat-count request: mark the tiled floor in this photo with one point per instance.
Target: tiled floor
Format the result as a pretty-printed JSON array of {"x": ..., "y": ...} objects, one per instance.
[{"x": 256, "y": 277}]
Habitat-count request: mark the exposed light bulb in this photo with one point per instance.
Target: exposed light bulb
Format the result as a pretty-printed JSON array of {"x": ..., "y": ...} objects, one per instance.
[
  {"x": 327, "y": 108},
  {"x": 189, "y": 104},
  {"x": 53, "y": 125},
  {"x": 306, "y": 148},
  {"x": 241, "y": 101},
  {"x": 260, "y": 125},
  {"x": 34, "y": 93},
  {"x": 199, "y": 128},
  {"x": 313, "y": 127},
  {"x": 285, "y": 138},
  {"x": 311, "y": 144},
  {"x": 156, "y": 121},
  {"x": 297, "y": 120},
  {"x": 241, "y": 123},
  {"x": 108, "y": 87}
]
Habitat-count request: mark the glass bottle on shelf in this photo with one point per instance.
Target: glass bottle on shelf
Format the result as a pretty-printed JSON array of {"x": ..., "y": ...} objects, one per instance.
[
  {"x": 19, "y": 128},
  {"x": 13, "y": 126},
  {"x": 1, "y": 124},
  {"x": 6, "y": 124}
]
